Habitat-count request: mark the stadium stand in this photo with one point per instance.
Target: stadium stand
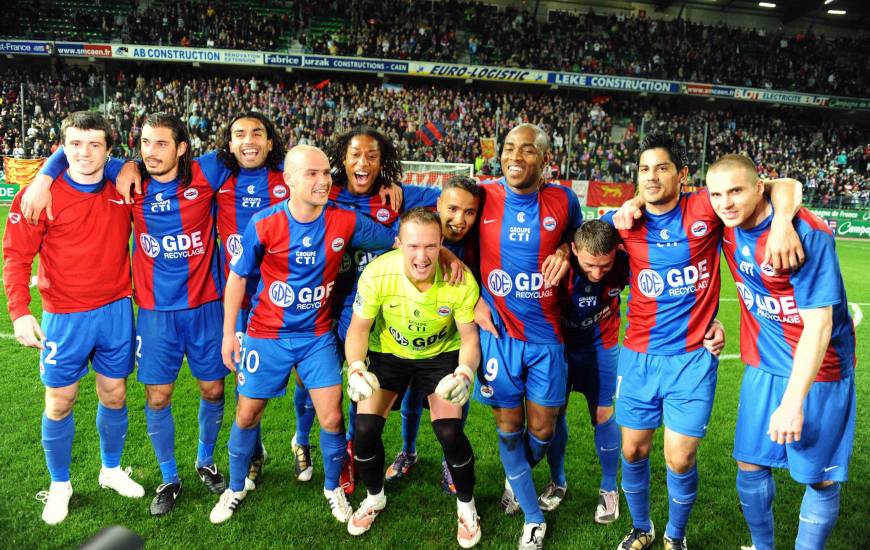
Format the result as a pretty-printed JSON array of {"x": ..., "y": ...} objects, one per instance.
[
  {"x": 829, "y": 155},
  {"x": 470, "y": 32}
]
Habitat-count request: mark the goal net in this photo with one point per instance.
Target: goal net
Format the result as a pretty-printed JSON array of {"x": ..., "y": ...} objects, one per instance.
[{"x": 433, "y": 173}]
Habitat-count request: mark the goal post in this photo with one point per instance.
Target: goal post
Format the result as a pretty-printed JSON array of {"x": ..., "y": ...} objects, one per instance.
[{"x": 433, "y": 173}]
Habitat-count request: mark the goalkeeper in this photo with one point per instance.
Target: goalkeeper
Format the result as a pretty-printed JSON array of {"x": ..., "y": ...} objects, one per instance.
[{"x": 423, "y": 335}]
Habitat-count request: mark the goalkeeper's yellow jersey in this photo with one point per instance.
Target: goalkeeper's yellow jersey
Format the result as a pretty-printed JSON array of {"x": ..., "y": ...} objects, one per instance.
[{"x": 409, "y": 323}]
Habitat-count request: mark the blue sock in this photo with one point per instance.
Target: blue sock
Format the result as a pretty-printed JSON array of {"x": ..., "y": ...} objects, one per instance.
[
  {"x": 57, "y": 439},
  {"x": 351, "y": 419},
  {"x": 112, "y": 427},
  {"x": 756, "y": 490},
  {"x": 161, "y": 430},
  {"x": 258, "y": 445},
  {"x": 820, "y": 509},
  {"x": 412, "y": 410},
  {"x": 607, "y": 443},
  {"x": 304, "y": 414},
  {"x": 240, "y": 447},
  {"x": 682, "y": 492},
  {"x": 556, "y": 452},
  {"x": 512, "y": 448},
  {"x": 211, "y": 416},
  {"x": 537, "y": 448},
  {"x": 635, "y": 486},
  {"x": 332, "y": 445}
]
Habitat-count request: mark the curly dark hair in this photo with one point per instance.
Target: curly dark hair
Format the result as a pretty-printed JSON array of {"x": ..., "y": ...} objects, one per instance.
[
  {"x": 273, "y": 159},
  {"x": 391, "y": 164}
]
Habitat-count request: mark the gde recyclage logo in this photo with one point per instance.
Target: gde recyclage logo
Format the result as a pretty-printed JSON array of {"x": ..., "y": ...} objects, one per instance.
[
  {"x": 679, "y": 281},
  {"x": 281, "y": 294}
]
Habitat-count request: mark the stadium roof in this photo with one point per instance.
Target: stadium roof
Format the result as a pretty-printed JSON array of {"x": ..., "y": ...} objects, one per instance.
[{"x": 857, "y": 11}]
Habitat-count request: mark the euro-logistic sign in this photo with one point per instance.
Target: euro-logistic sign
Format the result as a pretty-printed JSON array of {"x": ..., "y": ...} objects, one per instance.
[{"x": 139, "y": 52}]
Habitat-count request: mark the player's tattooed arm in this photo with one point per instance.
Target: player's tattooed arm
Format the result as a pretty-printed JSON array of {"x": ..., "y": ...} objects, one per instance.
[
  {"x": 556, "y": 265},
  {"x": 714, "y": 338},
  {"x": 483, "y": 317},
  {"x": 786, "y": 422},
  {"x": 234, "y": 293},
  {"x": 631, "y": 210},
  {"x": 784, "y": 250}
]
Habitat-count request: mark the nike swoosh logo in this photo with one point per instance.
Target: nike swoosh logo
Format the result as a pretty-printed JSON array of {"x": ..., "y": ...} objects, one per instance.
[
  {"x": 489, "y": 221},
  {"x": 222, "y": 191},
  {"x": 727, "y": 241},
  {"x": 394, "y": 305},
  {"x": 829, "y": 468},
  {"x": 117, "y": 201},
  {"x": 512, "y": 478},
  {"x": 607, "y": 450},
  {"x": 680, "y": 501}
]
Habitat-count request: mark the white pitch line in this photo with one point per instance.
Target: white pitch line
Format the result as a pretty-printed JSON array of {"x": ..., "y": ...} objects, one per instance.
[
  {"x": 7, "y": 336},
  {"x": 857, "y": 314},
  {"x": 729, "y": 357}
]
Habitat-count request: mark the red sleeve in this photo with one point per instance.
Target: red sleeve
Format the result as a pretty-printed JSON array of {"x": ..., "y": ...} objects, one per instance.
[{"x": 21, "y": 244}]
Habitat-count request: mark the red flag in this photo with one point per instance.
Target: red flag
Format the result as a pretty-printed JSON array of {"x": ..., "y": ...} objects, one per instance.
[
  {"x": 608, "y": 194},
  {"x": 321, "y": 85}
]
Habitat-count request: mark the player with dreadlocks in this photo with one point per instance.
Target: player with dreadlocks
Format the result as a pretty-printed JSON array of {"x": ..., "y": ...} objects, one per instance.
[{"x": 364, "y": 160}]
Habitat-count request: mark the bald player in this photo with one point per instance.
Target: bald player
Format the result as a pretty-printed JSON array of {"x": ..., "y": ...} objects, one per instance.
[{"x": 297, "y": 245}]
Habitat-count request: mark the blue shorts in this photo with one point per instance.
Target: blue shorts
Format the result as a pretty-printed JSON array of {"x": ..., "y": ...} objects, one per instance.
[
  {"x": 679, "y": 386},
  {"x": 592, "y": 372},
  {"x": 103, "y": 336},
  {"x": 512, "y": 369},
  {"x": 267, "y": 363},
  {"x": 163, "y": 338},
  {"x": 823, "y": 452}
]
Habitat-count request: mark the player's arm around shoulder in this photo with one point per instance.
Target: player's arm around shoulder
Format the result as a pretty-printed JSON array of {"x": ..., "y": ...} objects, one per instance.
[{"x": 784, "y": 250}]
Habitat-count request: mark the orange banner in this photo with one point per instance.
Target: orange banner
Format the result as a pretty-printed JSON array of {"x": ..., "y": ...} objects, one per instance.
[
  {"x": 487, "y": 147},
  {"x": 21, "y": 171},
  {"x": 608, "y": 194}
]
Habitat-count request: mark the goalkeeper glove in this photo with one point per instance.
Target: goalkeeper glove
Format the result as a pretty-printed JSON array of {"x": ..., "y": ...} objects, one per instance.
[
  {"x": 456, "y": 387},
  {"x": 361, "y": 384}
]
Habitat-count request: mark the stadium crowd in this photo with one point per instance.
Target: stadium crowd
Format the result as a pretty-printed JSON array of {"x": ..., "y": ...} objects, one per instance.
[
  {"x": 463, "y": 31},
  {"x": 830, "y": 157}
]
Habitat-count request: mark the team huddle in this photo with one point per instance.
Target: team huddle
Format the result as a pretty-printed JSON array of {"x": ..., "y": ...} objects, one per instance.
[{"x": 280, "y": 266}]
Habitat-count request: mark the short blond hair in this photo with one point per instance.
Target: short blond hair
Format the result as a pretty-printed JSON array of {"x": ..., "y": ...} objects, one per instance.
[{"x": 733, "y": 162}]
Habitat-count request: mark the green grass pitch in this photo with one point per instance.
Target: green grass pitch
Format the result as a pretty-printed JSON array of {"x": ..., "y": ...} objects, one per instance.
[{"x": 283, "y": 512}]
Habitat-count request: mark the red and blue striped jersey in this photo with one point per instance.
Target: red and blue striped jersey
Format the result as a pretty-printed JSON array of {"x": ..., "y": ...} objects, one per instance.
[
  {"x": 298, "y": 264},
  {"x": 175, "y": 257},
  {"x": 591, "y": 310},
  {"x": 770, "y": 321},
  {"x": 371, "y": 206},
  {"x": 238, "y": 199},
  {"x": 517, "y": 233},
  {"x": 674, "y": 276}
]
